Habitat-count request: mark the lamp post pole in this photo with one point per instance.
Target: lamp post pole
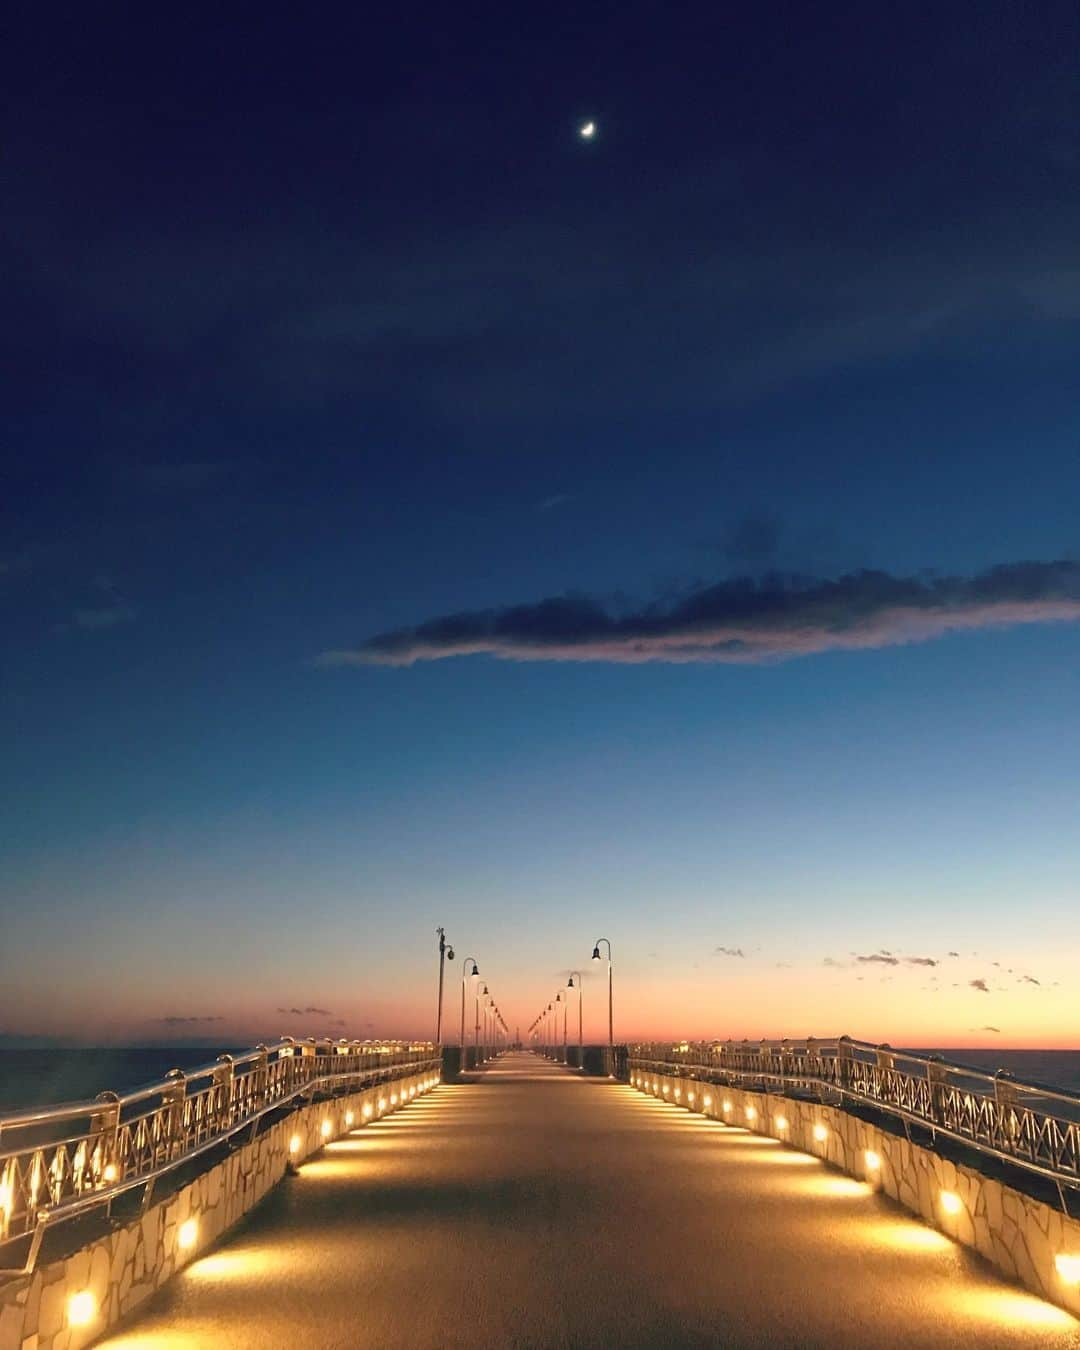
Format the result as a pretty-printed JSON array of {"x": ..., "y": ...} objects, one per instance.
[
  {"x": 465, "y": 974},
  {"x": 610, "y": 999},
  {"x": 476, "y": 1017},
  {"x": 445, "y": 952},
  {"x": 580, "y": 987}
]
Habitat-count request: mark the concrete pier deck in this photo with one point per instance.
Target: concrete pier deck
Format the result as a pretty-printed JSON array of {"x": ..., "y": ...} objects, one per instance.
[{"x": 534, "y": 1208}]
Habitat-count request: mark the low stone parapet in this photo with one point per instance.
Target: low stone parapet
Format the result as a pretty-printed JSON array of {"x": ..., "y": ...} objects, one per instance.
[
  {"x": 1023, "y": 1238},
  {"x": 69, "y": 1303}
]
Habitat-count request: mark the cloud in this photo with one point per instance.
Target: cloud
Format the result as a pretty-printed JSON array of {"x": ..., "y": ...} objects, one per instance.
[
  {"x": 1030, "y": 979},
  {"x": 995, "y": 1030},
  {"x": 174, "y": 1020},
  {"x": 730, "y": 951},
  {"x": 980, "y": 985},
  {"x": 920, "y": 961},
  {"x": 104, "y": 616},
  {"x": 879, "y": 959},
  {"x": 306, "y": 1012},
  {"x": 742, "y": 620},
  {"x": 184, "y": 475},
  {"x": 751, "y": 541},
  {"x": 952, "y": 953},
  {"x": 833, "y": 964}
]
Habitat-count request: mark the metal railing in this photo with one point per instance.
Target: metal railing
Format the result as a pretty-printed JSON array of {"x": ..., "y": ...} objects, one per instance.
[
  {"x": 57, "y": 1162},
  {"x": 1027, "y": 1124}
]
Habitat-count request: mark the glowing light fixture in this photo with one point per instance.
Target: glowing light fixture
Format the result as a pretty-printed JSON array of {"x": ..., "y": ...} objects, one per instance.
[
  {"x": 707, "y": 1102},
  {"x": 951, "y": 1202},
  {"x": 5, "y": 1196},
  {"x": 393, "y": 1099},
  {"x": 109, "y": 1174},
  {"x": 727, "y": 1107},
  {"x": 349, "y": 1117},
  {"x": 666, "y": 1089},
  {"x": 1068, "y": 1267},
  {"x": 751, "y": 1114},
  {"x": 872, "y": 1160},
  {"x": 382, "y": 1103},
  {"x": 820, "y": 1133},
  {"x": 187, "y": 1234},
  {"x": 325, "y": 1129},
  {"x": 366, "y": 1112},
  {"x": 294, "y": 1144},
  {"x": 81, "y": 1309},
  {"x": 690, "y": 1098},
  {"x": 781, "y": 1122}
]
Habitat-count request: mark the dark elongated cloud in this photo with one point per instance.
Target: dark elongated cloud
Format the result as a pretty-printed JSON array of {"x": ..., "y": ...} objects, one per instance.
[
  {"x": 920, "y": 961},
  {"x": 878, "y": 959},
  {"x": 309, "y": 1011},
  {"x": 730, "y": 951},
  {"x": 741, "y": 621},
  {"x": 174, "y": 1020},
  {"x": 980, "y": 985}
]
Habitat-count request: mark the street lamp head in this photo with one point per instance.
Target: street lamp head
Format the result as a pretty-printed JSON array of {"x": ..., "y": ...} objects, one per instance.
[
  {"x": 485, "y": 990},
  {"x": 596, "y": 952},
  {"x": 449, "y": 953},
  {"x": 570, "y": 982}
]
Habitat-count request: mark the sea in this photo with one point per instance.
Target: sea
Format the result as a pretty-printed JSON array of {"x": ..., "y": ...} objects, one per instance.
[{"x": 43, "y": 1077}]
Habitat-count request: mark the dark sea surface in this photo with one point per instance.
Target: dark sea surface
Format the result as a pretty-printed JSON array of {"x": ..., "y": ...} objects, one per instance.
[{"x": 42, "y": 1076}]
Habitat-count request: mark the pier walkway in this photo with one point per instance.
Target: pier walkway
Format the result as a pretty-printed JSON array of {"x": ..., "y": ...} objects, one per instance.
[{"x": 534, "y": 1208}]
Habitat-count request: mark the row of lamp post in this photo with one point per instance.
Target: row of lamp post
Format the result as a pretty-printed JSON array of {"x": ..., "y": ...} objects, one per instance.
[
  {"x": 545, "y": 1028},
  {"x": 485, "y": 1011}
]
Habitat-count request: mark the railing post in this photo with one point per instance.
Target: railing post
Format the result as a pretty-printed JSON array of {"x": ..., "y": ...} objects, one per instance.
[
  {"x": 937, "y": 1074},
  {"x": 223, "y": 1095},
  {"x": 1006, "y": 1098},
  {"x": 845, "y": 1064},
  {"x": 262, "y": 1078},
  {"x": 886, "y": 1063},
  {"x": 107, "y": 1123},
  {"x": 174, "y": 1096}
]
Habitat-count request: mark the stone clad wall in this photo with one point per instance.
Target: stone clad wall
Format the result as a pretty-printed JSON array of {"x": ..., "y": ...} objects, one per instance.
[
  {"x": 122, "y": 1268},
  {"x": 1021, "y": 1237}
]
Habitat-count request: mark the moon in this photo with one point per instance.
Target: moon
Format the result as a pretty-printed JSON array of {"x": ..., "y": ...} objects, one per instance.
[{"x": 587, "y": 131}]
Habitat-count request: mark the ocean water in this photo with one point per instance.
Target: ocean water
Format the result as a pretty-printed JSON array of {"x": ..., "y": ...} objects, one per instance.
[{"x": 43, "y": 1076}]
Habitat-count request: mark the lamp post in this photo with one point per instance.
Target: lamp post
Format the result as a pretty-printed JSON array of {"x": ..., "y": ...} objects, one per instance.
[
  {"x": 564, "y": 1001},
  {"x": 476, "y": 1017},
  {"x": 445, "y": 953},
  {"x": 465, "y": 974},
  {"x": 610, "y": 1002},
  {"x": 580, "y": 987}
]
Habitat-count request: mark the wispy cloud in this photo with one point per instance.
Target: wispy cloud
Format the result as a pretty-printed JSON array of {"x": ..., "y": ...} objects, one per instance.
[
  {"x": 105, "y": 616},
  {"x": 980, "y": 985},
  {"x": 741, "y": 621},
  {"x": 1030, "y": 979},
  {"x": 730, "y": 951},
  {"x": 878, "y": 959},
  {"x": 306, "y": 1012},
  {"x": 178, "y": 1020},
  {"x": 995, "y": 1030},
  {"x": 920, "y": 961}
]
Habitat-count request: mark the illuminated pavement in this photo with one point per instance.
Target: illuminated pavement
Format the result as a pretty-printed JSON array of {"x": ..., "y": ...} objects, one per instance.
[{"x": 536, "y": 1209}]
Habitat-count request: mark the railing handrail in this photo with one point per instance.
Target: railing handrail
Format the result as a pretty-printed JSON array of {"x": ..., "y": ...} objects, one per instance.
[
  {"x": 60, "y": 1111},
  {"x": 48, "y": 1171},
  {"x": 818, "y": 1044},
  {"x": 1035, "y": 1127}
]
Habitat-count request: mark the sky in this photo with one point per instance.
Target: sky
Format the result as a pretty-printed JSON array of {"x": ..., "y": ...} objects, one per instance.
[{"x": 415, "y": 512}]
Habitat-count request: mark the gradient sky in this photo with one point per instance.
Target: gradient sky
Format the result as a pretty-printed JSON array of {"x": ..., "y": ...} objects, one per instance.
[{"x": 330, "y": 349}]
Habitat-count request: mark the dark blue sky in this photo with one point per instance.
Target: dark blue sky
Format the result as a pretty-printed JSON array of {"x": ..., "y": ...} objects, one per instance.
[{"x": 322, "y": 327}]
